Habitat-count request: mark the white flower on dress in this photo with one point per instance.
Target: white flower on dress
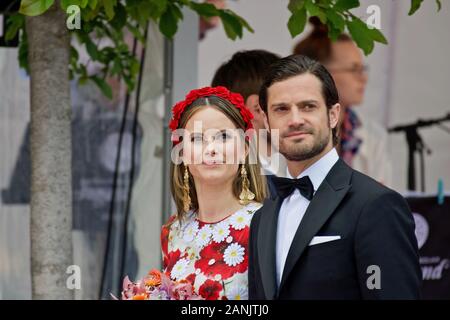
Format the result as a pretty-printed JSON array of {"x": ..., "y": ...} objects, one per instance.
[
  {"x": 220, "y": 231},
  {"x": 237, "y": 293},
  {"x": 240, "y": 220},
  {"x": 191, "y": 252},
  {"x": 190, "y": 231},
  {"x": 175, "y": 225},
  {"x": 234, "y": 254},
  {"x": 203, "y": 236},
  {"x": 177, "y": 243},
  {"x": 179, "y": 270}
]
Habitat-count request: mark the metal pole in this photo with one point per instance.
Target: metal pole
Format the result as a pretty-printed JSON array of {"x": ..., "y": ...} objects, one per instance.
[{"x": 167, "y": 145}]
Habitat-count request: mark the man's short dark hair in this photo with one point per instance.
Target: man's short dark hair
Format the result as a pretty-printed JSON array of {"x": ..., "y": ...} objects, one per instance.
[
  {"x": 295, "y": 65},
  {"x": 244, "y": 72}
]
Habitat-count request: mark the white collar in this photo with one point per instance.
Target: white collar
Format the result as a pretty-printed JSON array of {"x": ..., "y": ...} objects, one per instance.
[{"x": 319, "y": 169}]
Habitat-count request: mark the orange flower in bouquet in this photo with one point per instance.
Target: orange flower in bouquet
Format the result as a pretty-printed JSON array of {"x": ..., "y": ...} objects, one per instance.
[{"x": 157, "y": 285}]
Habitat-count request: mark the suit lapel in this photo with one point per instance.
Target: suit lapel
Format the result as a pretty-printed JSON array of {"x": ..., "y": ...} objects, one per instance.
[
  {"x": 266, "y": 245},
  {"x": 325, "y": 201}
]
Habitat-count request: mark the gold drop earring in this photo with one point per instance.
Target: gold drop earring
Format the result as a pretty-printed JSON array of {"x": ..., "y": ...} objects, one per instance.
[
  {"x": 246, "y": 194},
  {"x": 186, "y": 191}
]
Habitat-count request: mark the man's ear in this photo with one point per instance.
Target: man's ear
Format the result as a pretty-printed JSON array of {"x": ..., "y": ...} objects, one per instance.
[{"x": 334, "y": 113}]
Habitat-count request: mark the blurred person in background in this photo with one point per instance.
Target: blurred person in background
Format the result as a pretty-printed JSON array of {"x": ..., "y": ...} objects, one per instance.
[{"x": 363, "y": 142}]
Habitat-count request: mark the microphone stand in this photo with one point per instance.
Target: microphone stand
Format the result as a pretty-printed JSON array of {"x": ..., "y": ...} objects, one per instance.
[{"x": 417, "y": 145}]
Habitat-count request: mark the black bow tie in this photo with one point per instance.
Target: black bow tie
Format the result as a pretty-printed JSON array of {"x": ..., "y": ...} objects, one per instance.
[{"x": 286, "y": 186}]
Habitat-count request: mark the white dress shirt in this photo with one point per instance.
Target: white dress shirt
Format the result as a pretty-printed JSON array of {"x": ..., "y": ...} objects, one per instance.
[{"x": 294, "y": 207}]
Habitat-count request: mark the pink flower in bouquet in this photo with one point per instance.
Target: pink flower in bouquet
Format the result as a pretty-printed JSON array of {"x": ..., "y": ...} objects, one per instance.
[{"x": 157, "y": 285}]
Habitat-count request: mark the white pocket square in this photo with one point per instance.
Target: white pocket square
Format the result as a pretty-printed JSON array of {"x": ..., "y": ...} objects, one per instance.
[{"x": 317, "y": 240}]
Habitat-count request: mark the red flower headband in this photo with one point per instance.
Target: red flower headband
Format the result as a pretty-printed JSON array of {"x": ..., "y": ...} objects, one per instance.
[{"x": 222, "y": 92}]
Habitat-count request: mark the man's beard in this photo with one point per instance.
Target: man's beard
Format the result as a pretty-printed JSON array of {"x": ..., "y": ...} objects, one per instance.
[{"x": 301, "y": 152}]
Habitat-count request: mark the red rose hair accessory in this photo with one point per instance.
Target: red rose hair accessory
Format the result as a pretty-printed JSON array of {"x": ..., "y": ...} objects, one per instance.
[{"x": 222, "y": 92}]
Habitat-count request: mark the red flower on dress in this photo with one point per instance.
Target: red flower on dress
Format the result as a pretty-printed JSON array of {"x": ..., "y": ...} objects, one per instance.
[
  {"x": 210, "y": 290},
  {"x": 212, "y": 263},
  {"x": 214, "y": 251},
  {"x": 240, "y": 236},
  {"x": 165, "y": 239},
  {"x": 222, "y": 92},
  {"x": 171, "y": 259},
  {"x": 165, "y": 232},
  {"x": 191, "y": 278}
]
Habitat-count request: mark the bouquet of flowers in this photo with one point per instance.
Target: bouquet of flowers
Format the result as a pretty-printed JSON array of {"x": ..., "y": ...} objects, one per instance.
[{"x": 157, "y": 285}]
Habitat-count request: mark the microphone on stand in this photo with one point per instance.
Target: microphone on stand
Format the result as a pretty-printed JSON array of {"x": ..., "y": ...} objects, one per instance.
[
  {"x": 420, "y": 124},
  {"x": 416, "y": 144}
]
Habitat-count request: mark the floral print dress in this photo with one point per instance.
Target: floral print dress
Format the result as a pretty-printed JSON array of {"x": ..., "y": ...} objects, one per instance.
[{"x": 212, "y": 256}]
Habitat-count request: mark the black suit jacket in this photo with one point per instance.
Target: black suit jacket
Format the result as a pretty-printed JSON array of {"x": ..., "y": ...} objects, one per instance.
[{"x": 376, "y": 228}]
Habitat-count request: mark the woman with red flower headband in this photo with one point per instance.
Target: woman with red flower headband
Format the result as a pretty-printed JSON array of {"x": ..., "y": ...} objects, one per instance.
[{"x": 216, "y": 191}]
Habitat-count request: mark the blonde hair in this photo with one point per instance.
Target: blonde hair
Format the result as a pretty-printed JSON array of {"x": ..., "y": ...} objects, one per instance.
[{"x": 257, "y": 181}]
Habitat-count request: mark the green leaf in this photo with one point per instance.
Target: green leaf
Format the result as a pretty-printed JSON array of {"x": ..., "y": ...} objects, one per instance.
[
  {"x": 109, "y": 8},
  {"x": 117, "y": 67},
  {"x": 415, "y": 5},
  {"x": 297, "y": 22},
  {"x": 137, "y": 9},
  {"x": 168, "y": 24},
  {"x": 129, "y": 82},
  {"x": 336, "y": 19},
  {"x": 204, "y": 9},
  {"x": 231, "y": 25},
  {"x": 102, "y": 85},
  {"x": 66, "y": 3},
  {"x": 361, "y": 34},
  {"x": 23, "y": 52},
  {"x": 120, "y": 18},
  {"x": 82, "y": 80},
  {"x": 315, "y": 11},
  {"x": 177, "y": 11},
  {"x": 80, "y": 3},
  {"x": 93, "y": 4},
  {"x": 378, "y": 36},
  {"x": 15, "y": 22},
  {"x": 239, "y": 20},
  {"x": 134, "y": 67},
  {"x": 344, "y": 5},
  {"x": 91, "y": 48},
  {"x": 244, "y": 23},
  {"x": 296, "y": 5},
  {"x": 155, "y": 9},
  {"x": 136, "y": 32},
  {"x": 333, "y": 32},
  {"x": 74, "y": 53},
  {"x": 439, "y": 5},
  {"x": 83, "y": 71},
  {"x": 35, "y": 7}
]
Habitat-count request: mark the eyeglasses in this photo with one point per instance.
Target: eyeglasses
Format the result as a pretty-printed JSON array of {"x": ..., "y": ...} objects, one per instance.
[{"x": 357, "y": 70}]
